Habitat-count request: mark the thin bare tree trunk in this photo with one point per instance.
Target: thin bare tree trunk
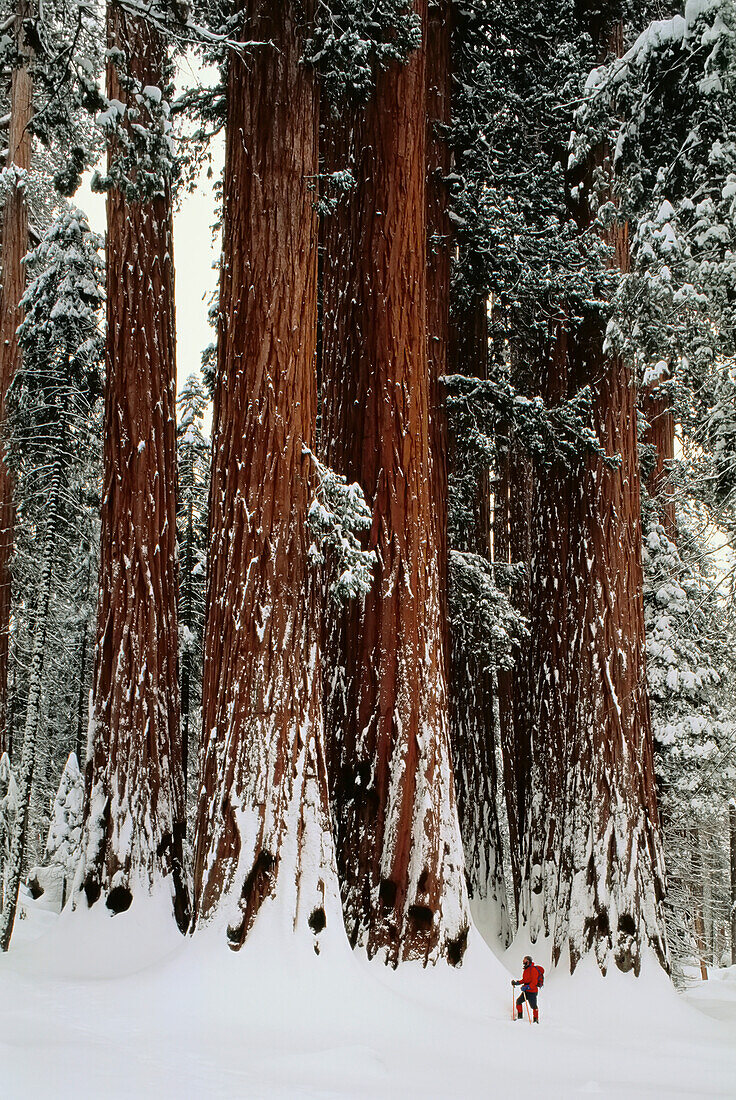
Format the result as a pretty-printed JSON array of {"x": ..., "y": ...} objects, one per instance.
[
  {"x": 696, "y": 892},
  {"x": 13, "y": 273},
  {"x": 732, "y": 835},
  {"x": 263, "y": 819},
  {"x": 134, "y": 820},
  {"x": 398, "y": 846}
]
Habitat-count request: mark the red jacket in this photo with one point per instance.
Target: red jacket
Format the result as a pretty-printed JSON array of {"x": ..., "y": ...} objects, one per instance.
[{"x": 529, "y": 979}]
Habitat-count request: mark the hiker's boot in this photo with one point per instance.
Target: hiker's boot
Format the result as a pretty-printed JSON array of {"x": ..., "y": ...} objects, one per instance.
[
  {"x": 519, "y": 1014},
  {"x": 536, "y": 1016}
]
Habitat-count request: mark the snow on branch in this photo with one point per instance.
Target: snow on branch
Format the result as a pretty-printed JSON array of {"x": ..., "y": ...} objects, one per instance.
[
  {"x": 482, "y": 619},
  {"x": 8, "y": 811},
  {"x": 352, "y": 40},
  {"x": 140, "y": 132},
  {"x": 338, "y": 513},
  {"x": 176, "y": 20},
  {"x": 481, "y": 410}
]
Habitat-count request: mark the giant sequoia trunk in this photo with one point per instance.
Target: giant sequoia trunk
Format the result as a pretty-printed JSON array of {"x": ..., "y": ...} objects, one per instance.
[
  {"x": 398, "y": 845},
  {"x": 134, "y": 802},
  {"x": 594, "y": 867},
  {"x": 472, "y": 712},
  {"x": 13, "y": 273},
  {"x": 263, "y": 821}
]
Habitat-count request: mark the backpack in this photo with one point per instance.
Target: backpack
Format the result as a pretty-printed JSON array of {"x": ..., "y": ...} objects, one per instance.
[{"x": 540, "y": 975}]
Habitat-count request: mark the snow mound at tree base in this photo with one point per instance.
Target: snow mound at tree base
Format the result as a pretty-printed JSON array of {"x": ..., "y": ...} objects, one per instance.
[{"x": 125, "y": 1007}]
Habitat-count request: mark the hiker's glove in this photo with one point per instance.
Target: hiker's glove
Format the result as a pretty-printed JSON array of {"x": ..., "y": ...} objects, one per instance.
[{"x": 514, "y": 983}]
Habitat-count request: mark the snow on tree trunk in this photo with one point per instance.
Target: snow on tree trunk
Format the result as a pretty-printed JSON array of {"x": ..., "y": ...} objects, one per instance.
[
  {"x": 134, "y": 816},
  {"x": 14, "y": 865},
  {"x": 594, "y": 868},
  {"x": 61, "y": 853},
  {"x": 187, "y": 621},
  {"x": 263, "y": 819},
  {"x": 398, "y": 845},
  {"x": 8, "y": 810},
  {"x": 696, "y": 894},
  {"x": 14, "y": 247},
  {"x": 472, "y": 687}
]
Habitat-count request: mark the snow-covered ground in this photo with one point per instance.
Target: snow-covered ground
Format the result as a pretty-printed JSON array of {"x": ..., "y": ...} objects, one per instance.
[{"x": 124, "y": 1007}]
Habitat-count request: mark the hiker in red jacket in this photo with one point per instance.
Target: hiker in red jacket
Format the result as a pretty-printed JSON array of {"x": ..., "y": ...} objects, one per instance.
[{"x": 531, "y": 980}]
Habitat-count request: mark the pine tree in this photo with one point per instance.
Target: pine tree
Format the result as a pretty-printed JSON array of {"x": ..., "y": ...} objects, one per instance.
[
  {"x": 63, "y": 842},
  {"x": 8, "y": 813},
  {"x": 263, "y": 821},
  {"x": 670, "y": 103},
  {"x": 134, "y": 811},
  {"x": 61, "y": 852}
]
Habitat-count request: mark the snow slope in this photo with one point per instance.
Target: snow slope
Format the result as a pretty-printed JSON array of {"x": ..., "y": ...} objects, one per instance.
[{"x": 124, "y": 1007}]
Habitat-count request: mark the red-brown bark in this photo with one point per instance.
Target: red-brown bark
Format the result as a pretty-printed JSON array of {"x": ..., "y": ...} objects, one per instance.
[
  {"x": 397, "y": 837},
  {"x": 594, "y": 860},
  {"x": 135, "y": 808},
  {"x": 594, "y": 867},
  {"x": 14, "y": 238},
  {"x": 263, "y": 799}
]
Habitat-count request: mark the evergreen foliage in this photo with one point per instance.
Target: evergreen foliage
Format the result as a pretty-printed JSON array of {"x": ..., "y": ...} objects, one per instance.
[
  {"x": 337, "y": 516},
  {"x": 353, "y": 39},
  {"x": 54, "y": 425},
  {"x": 483, "y": 622},
  {"x": 558, "y": 151}
]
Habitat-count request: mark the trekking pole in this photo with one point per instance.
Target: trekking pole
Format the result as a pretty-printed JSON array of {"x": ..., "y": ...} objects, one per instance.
[
  {"x": 528, "y": 1012},
  {"x": 513, "y": 1002}
]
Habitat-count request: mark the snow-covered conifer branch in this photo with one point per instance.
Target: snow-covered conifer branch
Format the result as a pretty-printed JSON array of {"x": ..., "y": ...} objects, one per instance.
[
  {"x": 337, "y": 515},
  {"x": 351, "y": 40},
  {"x": 483, "y": 621}
]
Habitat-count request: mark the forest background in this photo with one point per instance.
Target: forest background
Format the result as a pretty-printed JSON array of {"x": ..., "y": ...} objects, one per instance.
[{"x": 454, "y": 584}]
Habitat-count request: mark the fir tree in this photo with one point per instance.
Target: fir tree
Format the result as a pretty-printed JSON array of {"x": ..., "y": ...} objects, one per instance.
[{"x": 50, "y": 400}]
